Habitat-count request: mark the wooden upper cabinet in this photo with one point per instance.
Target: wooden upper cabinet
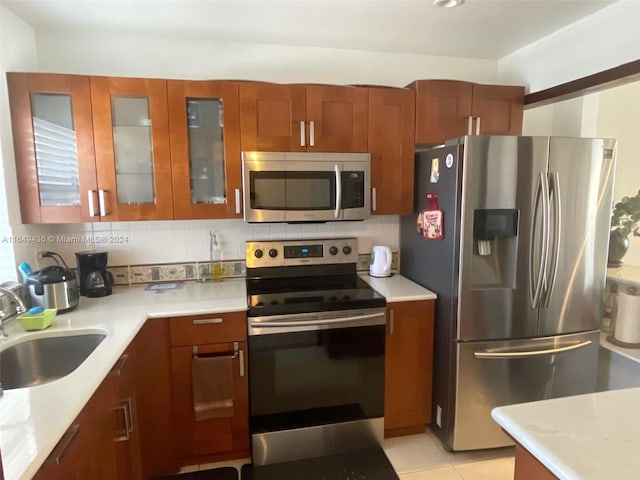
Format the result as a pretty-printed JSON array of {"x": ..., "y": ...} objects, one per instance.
[
  {"x": 337, "y": 119},
  {"x": 448, "y": 109},
  {"x": 498, "y": 109},
  {"x": 391, "y": 137},
  {"x": 271, "y": 116},
  {"x": 204, "y": 124},
  {"x": 54, "y": 152},
  {"x": 294, "y": 118},
  {"x": 133, "y": 159},
  {"x": 443, "y": 108}
]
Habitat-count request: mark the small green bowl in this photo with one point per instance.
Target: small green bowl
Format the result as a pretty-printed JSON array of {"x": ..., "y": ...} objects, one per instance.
[{"x": 37, "y": 321}]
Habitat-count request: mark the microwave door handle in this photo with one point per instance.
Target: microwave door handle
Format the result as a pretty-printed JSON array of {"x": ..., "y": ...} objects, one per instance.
[{"x": 336, "y": 212}]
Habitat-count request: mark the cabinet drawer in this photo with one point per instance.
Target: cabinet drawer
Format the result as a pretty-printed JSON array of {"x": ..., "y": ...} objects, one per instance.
[{"x": 211, "y": 328}]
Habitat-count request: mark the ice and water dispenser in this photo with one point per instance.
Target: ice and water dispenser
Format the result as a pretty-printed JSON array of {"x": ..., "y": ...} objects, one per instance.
[{"x": 495, "y": 233}]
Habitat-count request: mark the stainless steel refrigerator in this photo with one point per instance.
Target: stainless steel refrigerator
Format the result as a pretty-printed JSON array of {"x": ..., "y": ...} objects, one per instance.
[{"x": 519, "y": 272}]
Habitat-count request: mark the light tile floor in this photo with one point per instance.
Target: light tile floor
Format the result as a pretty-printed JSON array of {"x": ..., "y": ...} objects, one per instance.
[{"x": 422, "y": 457}]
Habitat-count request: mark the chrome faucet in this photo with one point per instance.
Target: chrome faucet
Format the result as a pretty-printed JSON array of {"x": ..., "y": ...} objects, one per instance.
[{"x": 20, "y": 308}]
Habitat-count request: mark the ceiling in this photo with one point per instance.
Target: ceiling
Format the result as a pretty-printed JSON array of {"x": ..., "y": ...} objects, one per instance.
[{"x": 489, "y": 29}]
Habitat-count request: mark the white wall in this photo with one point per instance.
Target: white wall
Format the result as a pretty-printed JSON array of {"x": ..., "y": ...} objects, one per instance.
[
  {"x": 125, "y": 55},
  {"x": 17, "y": 52},
  {"x": 576, "y": 117},
  {"x": 603, "y": 40}
]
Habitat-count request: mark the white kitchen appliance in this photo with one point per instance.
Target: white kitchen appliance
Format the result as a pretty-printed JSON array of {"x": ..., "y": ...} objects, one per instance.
[{"x": 380, "y": 264}]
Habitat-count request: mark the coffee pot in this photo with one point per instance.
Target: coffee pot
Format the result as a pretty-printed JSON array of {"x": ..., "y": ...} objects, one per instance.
[{"x": 95, "y": 279}]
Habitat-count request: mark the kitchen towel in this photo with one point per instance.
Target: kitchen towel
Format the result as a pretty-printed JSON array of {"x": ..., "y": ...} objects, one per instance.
[
  {"x": 212, "y": 383},
  {"x": 627, "y": 327}
]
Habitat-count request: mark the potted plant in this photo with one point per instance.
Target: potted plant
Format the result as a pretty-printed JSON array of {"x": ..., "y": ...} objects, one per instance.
[{"x": 624, "y": 221}]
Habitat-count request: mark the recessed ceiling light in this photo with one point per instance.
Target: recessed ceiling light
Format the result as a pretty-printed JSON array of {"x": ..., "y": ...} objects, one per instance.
[{"x": 447, "y": 3}]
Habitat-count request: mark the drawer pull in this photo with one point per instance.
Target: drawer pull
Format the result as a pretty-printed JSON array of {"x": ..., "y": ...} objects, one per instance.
[
  {"x": 61, "y": 449},
  {"x": 207, "y": 321}
]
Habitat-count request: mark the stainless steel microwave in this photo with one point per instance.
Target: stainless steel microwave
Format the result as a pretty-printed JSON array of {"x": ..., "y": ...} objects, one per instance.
[{"x": 306, "y": 186}]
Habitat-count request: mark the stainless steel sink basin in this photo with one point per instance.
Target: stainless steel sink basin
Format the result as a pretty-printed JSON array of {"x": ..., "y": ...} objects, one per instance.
[{"x": 42, "y": 360}]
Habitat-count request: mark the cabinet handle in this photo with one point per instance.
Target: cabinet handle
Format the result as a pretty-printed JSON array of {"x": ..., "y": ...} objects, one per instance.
[
  {"x": 125, "y": 407},
  {"x": 207, "y": 321},
  {"x": 477, "y": 125},
  {"x": 241, "y": 360},
  {"x": 61, "y": 449},
  {"x": 302, "y": 135},
  {"x": 374, "y": 199},
  {"x": 128, "y": 417},
  {"x": 116, "y": 371},
  {"x": 238, "y": 205},
  {"x": 92, "y": 208},
  {"x": 101, "y": 202},
  {"x": 469, "y": 125},
  {"x": 392, "y": 317},
  {"x": 312, "y": 133}
]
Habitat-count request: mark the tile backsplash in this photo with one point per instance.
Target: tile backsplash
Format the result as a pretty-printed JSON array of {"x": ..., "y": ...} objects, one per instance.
[
  {"x": 201, "y": 271},
  {"x": 184, "y": 245}
]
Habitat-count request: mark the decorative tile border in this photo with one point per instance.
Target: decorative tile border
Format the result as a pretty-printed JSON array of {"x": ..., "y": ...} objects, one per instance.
[{"x": 201, "y": 271}]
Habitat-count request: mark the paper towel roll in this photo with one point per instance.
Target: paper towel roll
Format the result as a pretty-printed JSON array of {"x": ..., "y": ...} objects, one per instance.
[{"x": 628, "y": 318}]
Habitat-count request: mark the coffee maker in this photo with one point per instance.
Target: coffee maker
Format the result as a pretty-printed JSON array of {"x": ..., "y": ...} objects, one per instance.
[{"x": 95, "y": 280}]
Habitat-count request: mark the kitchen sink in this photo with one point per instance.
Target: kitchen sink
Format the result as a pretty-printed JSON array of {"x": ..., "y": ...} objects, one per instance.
[{"x": 42, "y": 360}]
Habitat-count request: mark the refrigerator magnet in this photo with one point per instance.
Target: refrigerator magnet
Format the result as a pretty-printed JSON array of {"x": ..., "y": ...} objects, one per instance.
[
  {"x": 435, "y": 170},
  {"x": 432, "y": 224},
  {"x": 448, "y": 161},
  {"x": 419, "y": 227}
]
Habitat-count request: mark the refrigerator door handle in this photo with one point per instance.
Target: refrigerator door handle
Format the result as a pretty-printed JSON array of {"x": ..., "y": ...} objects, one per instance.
[
  {"x": 510, "y": 354},
  {"x": 554, "y": 193},
  {"x": 542, "y": 193}
]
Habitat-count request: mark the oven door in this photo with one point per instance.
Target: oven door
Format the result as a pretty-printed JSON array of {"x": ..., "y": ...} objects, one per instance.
[
  {"x": 304, "y": 188},
  {"x": 309, "y": 369}
]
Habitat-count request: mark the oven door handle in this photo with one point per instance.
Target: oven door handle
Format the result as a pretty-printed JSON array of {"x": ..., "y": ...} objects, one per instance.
[{"x": 311, "y": 323}]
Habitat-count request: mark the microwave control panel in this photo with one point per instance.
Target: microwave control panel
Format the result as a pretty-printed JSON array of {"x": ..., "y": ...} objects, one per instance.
[{"x": 352, "y": 189}]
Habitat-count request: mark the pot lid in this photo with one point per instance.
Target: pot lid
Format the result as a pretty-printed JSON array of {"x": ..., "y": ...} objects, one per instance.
[{"x": 51, "y": 274}]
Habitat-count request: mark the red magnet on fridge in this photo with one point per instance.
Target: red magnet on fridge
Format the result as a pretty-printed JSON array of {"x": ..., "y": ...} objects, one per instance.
[{"x": 432, "y": 223}]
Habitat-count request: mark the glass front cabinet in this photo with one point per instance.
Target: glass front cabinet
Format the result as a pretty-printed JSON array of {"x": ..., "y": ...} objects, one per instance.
[
  {"x": 53, "y": 142},
  {"x": 107, "y": 148},
  {"x": 133, "y": 158},
  {"x": 204, "y": 121}
]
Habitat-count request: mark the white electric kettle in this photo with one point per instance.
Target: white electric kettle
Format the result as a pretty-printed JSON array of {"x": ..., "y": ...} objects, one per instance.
[{"x": 380, "y": 265}]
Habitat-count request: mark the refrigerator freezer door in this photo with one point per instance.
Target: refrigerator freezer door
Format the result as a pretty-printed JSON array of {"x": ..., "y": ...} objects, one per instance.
[
  {"x": 501, "y": 173},
  {"x": 580, "y": 176},
  {"x": 492, "y": 374}
]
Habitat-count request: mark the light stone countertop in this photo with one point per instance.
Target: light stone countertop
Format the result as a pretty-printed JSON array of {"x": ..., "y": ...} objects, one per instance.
[
  {"x": 626, "y": 275},
  {"x": 32, "y": 420},
  {"x": 586, "y": 437},
  {"x": 397, "y": 288}
]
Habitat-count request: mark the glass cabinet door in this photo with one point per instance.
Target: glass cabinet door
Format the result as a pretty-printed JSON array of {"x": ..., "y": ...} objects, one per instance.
[
  {"x": 132, "y": 148},
  {"x": 205, "y": 148},
  {"x": 53, "y": 134}
]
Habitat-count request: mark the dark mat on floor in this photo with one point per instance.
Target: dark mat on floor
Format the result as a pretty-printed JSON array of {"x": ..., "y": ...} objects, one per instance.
[
  {"x": 369, "y": 464},
  {"x": 224, "y": 473}
]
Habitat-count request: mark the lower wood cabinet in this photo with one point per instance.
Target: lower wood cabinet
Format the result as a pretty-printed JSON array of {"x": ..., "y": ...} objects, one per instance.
[
  {"x": 87, "y": 449},
  {"x": 209, "y": 430},
  {"x": 529, "y": 467},
  {"x": 408, "y": 367}
]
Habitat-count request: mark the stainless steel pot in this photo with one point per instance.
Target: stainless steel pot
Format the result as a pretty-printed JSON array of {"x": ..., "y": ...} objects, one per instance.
[{"x": 54, "y": 287}]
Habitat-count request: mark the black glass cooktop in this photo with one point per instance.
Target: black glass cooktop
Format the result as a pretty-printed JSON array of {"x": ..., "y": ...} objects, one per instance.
[
  {"x": 371, "y": 464},
  {"x": 280, "y": 296}
]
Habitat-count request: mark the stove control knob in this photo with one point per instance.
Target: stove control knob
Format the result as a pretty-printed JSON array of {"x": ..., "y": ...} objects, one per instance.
[
  {"x": 273, "y": 253},
  {"x": 333, "y": 250},
  {"x": 346, "y": 249},
  {"x": 258, "y": 253}
]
